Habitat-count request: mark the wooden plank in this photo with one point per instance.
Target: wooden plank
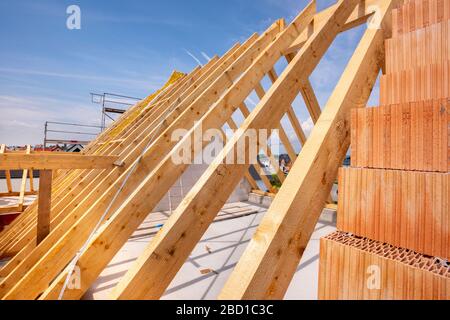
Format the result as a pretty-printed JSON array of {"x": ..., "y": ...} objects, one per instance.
[
  {"x": 11, "y": 209},
  {"x": 167, "y": 171},
  {"x": 311, "y": 101},
  {"x": 8, "y": 181},
  {"x": 280, "y": 174},
  {"x": 282, "y": 133},
  {"x": 278, "y": 244},
  {"x": 139, "y": 181},
  {"x": 16, "y": 194},
  {"x": 291, "y": 115},
  {"x": 262, "y": 193},
  {"x": 24, "y": 177},
  {"x": 146, "y": 279},
  {"x": 363, "y": 11},
  {"x": 264, "y": 178},
  {"x": 7, "y": 172},
  {"x": 55, "y": 161},
  {"x": 29, "y": 235},
  {"x": 73, "y": 181},
  {"x": 81, "y": 201},
  {"x": 44, "y": 202}
]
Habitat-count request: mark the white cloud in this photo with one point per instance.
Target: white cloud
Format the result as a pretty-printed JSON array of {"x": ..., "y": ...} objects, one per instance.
[
  {"x": 205, "y": 56},
  {"x": 307, "y": 126},
  {"x": 193, "y": 57}
]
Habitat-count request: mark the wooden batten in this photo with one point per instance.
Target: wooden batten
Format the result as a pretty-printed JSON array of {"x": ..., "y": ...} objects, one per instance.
[
  {"x": 79, "y": 200},
  {"x": 354, "y": 268}
]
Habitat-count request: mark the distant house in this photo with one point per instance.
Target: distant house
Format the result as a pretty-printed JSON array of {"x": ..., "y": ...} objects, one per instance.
[
  {"x": 74, "y": 148},
  {"x": 285, "y": 163},
  {"x": 55, "y": 148}
]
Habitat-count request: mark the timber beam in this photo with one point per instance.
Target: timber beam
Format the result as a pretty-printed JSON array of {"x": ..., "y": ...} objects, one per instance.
[
  {"x": 155, "y": 268},
  {"x": 9, "y": 161},
  {"x": 361, "y": 14},
  {"x": 267, "y": 266}
]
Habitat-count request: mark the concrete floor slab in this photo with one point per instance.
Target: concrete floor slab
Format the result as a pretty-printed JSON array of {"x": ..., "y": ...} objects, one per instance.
[{"x": 213, "y": 259}]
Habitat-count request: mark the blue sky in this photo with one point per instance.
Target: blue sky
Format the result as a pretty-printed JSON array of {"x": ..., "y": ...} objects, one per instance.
[{"x": 126, "y": 47}]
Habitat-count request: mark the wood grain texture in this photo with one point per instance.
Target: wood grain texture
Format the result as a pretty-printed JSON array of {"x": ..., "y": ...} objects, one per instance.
[
  {"x": 364, "y": 269},
  {"x": 407, "y": 136},
  {"x": 272, "y": 256},
  {"x": 44, "y": 200}
]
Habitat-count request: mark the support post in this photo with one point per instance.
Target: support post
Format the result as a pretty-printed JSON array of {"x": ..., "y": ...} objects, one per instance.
[
  {"x": 23, "y": 185},
  {"x": 44, "y": 204}
]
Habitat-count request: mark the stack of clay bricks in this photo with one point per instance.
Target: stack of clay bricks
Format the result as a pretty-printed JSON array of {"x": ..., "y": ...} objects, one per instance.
[{"x": 394, "y": 201}]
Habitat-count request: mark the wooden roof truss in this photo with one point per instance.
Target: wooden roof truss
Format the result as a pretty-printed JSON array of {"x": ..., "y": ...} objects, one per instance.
[{"x": 206, "y": 97}]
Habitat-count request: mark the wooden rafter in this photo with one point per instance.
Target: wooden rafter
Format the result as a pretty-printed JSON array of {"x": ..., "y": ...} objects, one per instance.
[
  {"x": 256, "y": 64},
  {"x": 153, "y": 156},
  {"x": 78, "y": 196},
  {"x": 45, "y": 191},
  {"x": 55, "y": 161},
  {"x": 142, "y": 138},
  {"x": 362, "y": 12},
  {"x": 24, "y": 246},
  {"x": 156, "y": 267},
  {"x": 290, "y": 220},
  {"x": 263, "y": 144},
  {"x": 79, "y": 192}
]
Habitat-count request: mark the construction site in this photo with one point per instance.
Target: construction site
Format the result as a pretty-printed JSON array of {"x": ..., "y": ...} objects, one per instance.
[{"x": 362, "y": 212}]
